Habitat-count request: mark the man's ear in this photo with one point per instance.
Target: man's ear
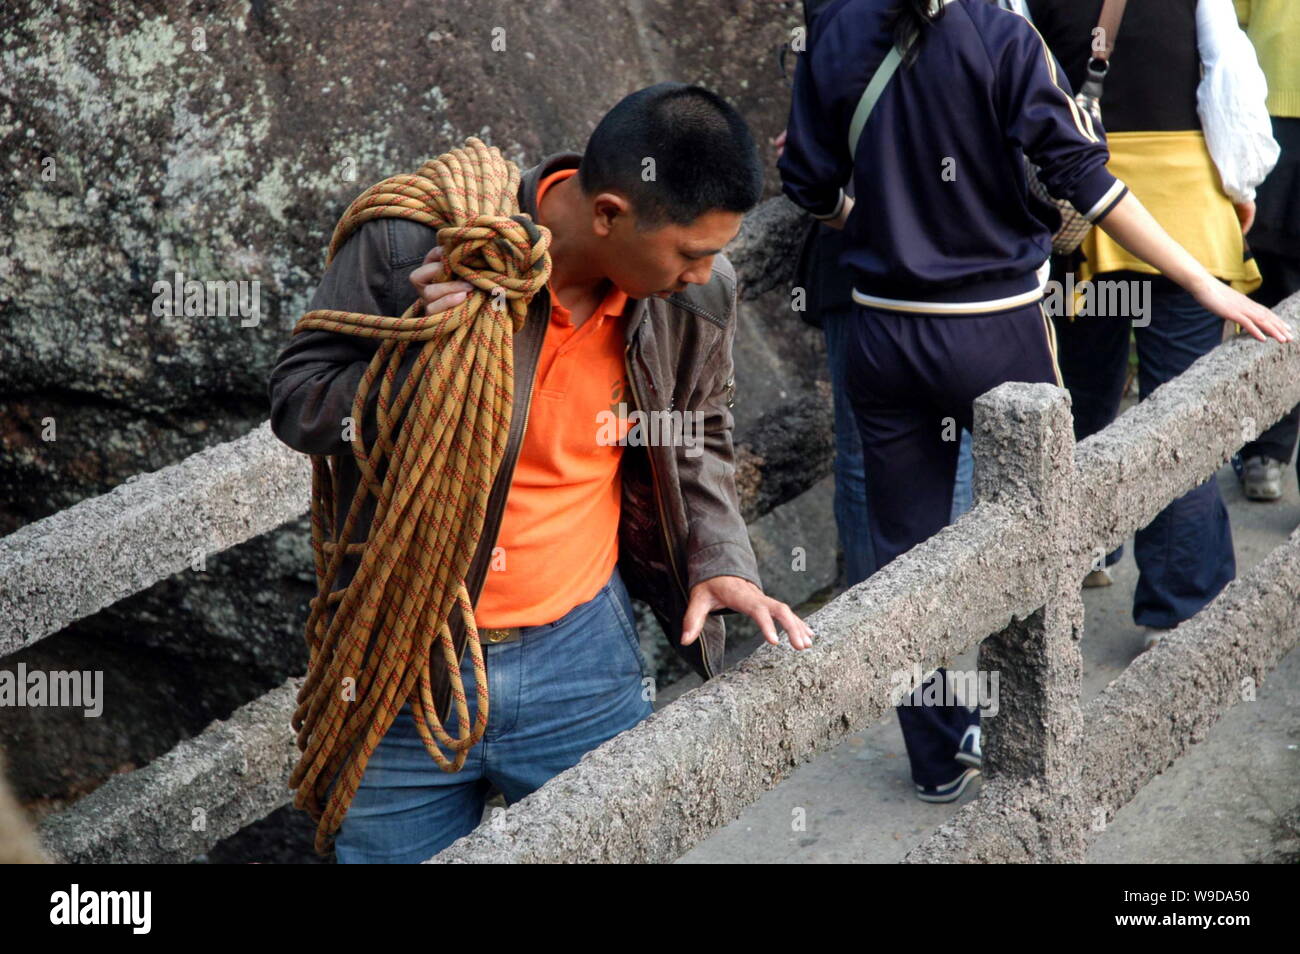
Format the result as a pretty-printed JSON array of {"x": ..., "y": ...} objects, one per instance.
[{"x": 607, "y": 209}]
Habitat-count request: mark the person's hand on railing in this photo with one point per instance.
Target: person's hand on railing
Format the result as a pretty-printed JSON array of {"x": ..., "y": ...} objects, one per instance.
[
  {"x": 737, "y": 593},
  {"x": 1232, "y": 305},
  {"x": 1130, "y": 224},
  {"x": 438, "y": 295}
]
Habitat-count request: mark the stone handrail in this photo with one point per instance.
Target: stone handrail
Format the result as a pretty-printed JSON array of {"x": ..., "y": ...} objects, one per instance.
[{"x": 1044, "y": 509}]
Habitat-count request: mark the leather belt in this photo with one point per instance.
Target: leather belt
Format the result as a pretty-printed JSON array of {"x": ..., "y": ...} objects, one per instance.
[{"x": 495, "y": 636}]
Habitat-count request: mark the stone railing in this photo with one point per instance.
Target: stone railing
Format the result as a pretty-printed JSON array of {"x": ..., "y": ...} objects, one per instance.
[{"x": 1011, "y": 568}]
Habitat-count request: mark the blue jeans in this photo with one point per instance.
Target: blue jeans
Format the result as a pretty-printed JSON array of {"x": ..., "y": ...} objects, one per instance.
[
  {"x": 961, "y": 490},
  {"x": 1185, "y": 555},
  {"x": 851, "y": 472},
  {"x": 557, "y": 693}
]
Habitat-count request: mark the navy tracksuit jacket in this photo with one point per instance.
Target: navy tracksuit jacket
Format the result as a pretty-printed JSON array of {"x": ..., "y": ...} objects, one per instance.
[
  {"x": 947, "y": 249},
  {"x": 942, "y": 212}
]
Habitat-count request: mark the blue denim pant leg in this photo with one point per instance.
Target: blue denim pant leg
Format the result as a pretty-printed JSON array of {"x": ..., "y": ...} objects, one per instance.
[
  {"x": 962, "y": 494},
  {"x": 561, "y": 690},
  {"x": 579, "y": 682},
  {"x": 1093, "y": 352},
  {"x": 1185, "y": 555},
  {"x": 850, "y": 471},
  {"x": 406, "y": 808}
]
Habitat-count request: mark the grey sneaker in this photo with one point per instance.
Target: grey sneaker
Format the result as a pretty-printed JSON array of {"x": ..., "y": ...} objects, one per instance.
[
  {"x": 1261, "y": 478},
  {"x": 1098, "y": 577}
]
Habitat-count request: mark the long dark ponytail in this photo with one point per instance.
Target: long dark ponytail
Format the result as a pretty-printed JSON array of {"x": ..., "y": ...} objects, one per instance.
[{"x": 911, "y": 20}]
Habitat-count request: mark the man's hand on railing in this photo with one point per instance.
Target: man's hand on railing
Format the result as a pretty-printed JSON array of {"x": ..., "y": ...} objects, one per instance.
[{"x": 734, "y": 592}]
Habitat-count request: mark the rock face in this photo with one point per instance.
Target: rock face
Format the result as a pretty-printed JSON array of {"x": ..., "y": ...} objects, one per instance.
[
  {"x": 222, "y": 141},
  {"x": 219, "y": 142}
]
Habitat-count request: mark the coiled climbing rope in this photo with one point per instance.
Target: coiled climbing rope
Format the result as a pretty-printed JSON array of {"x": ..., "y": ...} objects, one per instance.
[{"x": 430, "y": 479}]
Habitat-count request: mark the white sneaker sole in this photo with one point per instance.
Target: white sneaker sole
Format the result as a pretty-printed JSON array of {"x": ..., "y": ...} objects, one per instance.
[
  {"x": 971, "y": 761},
  {"x": 952, "y": 795},
  {"x": 1262, "y": 494}
]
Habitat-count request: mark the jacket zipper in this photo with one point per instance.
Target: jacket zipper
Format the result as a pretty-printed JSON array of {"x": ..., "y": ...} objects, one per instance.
[{"x": 659, "y": 506}]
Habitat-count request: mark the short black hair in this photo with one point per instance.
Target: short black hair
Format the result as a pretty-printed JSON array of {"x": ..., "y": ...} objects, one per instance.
[{"x": 704, "y": 155}]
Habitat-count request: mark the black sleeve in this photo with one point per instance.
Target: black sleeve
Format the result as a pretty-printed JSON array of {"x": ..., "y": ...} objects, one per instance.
[{"x": 315, "y": 378}]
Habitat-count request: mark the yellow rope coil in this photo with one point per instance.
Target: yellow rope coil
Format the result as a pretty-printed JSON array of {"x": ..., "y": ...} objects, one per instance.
[{"x": 431, "y": 498}]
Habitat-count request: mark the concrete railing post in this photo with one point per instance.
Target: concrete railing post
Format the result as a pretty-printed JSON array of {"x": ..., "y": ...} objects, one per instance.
[
  {"x": 1024, "y": 458},
  {"x": 1024, "y": 461}
]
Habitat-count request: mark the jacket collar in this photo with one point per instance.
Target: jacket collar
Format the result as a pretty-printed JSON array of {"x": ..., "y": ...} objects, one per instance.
[{"x": 530, "y": 179}]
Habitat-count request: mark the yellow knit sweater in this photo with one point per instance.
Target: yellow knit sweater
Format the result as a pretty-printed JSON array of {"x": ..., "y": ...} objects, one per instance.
[{"x": 1274, "y": 28}]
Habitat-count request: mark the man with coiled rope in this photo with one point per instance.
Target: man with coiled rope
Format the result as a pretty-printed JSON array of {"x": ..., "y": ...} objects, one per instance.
[{"x": 477, "y": 534}]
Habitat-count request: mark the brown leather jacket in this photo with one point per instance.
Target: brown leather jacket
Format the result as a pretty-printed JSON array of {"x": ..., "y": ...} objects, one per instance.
[{"x": 680, "y": 519}]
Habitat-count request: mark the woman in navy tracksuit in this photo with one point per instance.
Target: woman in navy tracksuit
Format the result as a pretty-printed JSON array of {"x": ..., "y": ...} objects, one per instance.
[{"x": 949, "y": 254}]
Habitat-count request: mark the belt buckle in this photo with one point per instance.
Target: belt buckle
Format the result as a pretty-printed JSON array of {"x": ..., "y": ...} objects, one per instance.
[{"x": 501, "y": 635}]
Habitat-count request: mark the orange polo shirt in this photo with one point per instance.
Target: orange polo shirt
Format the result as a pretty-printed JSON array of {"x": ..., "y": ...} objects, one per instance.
[{"x": 559, "y": 535}]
